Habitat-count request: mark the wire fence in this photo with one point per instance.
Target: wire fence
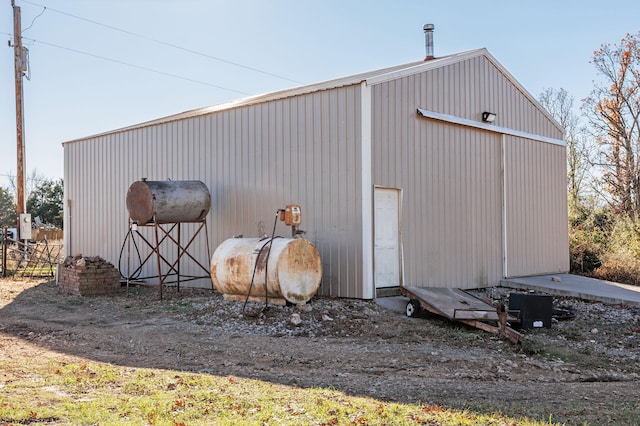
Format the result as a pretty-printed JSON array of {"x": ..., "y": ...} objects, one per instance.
[{"x": 33, "y": 259}]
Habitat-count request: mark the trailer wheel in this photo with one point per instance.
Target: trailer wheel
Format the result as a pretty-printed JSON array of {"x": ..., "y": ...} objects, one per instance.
[{"x": 413, "y": 308}]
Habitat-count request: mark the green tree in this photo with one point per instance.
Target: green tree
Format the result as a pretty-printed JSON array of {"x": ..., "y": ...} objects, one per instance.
[
  {"x": 7, "y": 209},
  {"x": 46, "y": 201}
]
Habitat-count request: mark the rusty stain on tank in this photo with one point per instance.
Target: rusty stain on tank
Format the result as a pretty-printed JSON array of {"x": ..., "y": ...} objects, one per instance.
[
  {"x": 263, "y": 254},
  {"x": 296, "y": 298},
  {"x": 235, "y": 268}
]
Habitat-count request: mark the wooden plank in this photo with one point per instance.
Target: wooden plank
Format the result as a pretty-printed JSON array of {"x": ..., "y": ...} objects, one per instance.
[{"x": 503, "y": 330}]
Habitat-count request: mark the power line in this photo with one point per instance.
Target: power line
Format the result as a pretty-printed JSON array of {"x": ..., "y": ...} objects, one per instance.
[
  {"x": 28, "y": 178},
  {"x": 165, "y": 43},
  {"x": 34, "y": 20},
  {"x": 117, "y": 61}
]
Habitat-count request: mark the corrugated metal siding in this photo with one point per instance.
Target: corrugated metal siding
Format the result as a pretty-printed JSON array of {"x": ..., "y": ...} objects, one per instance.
[
  {"x": 451, "y": 175},
  {"x": 254, "y": 159},
  {"x": 306, "y": 148},
  {"x": 536, "y": 206},
  {"x": 468, "y": 88}
]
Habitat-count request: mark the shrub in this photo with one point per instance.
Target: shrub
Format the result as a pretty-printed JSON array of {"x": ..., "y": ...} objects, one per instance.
[
  {"x": 589, "y": 230},
  {"x": 620, "y": 268},
  {"x": 620, "y": 263}
]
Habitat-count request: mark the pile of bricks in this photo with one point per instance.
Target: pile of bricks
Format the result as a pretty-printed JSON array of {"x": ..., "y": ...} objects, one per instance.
[{"x": 88, "y": 276}]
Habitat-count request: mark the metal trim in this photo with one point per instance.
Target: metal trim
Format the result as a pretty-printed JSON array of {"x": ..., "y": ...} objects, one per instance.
[
  {"x": 488, "y": 127},
  {"x": 366, "y": 192},
  {"x": 503, "y": 167}
]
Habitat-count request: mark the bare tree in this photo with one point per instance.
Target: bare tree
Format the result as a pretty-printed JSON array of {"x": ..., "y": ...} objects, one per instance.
[
  {"x": 34, "y": 180},
  {"x": 613, "y": 110},
  {"x": 560, "y": 105}
]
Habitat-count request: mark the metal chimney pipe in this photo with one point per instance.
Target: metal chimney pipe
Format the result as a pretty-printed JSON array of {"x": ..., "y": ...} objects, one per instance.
[{"x": 428, "y": 40}]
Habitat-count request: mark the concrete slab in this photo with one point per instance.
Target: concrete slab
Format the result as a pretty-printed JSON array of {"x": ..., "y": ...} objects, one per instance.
[
  {"x": 580, "y": 287},
  {"x": 394, "y": 303}
]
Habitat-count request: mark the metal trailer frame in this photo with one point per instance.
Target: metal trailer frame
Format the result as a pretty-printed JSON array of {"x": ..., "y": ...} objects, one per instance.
[{"x": 458, "y": 305}]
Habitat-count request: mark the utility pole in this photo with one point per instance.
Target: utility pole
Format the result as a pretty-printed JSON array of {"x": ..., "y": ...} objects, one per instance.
[{"x": 20, "y": 69}]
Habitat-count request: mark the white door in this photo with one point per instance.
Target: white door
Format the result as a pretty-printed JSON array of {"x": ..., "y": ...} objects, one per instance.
[{"x": 386, "y": 255}]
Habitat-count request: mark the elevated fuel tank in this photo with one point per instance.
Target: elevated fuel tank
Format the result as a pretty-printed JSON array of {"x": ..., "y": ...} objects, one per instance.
[
  {"x": 293, "y": 266},
  {"x": 169, "y": 200}
]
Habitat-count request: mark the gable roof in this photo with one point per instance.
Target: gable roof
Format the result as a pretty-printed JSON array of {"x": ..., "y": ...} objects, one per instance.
[{"x": 369, "y": 77}]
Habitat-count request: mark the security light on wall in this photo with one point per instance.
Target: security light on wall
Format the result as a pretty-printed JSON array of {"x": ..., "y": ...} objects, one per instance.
[{"x": 488, "y": 117}]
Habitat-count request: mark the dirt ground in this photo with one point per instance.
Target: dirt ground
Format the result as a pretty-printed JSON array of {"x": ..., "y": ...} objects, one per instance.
[{"x": 585, "y": 369}]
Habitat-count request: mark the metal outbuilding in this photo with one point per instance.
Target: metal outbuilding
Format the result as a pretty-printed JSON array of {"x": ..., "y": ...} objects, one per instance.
[{"x": 399, "y": 178}]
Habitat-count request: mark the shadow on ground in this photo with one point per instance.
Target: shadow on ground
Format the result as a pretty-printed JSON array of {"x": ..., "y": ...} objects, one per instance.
[{"x": 362, "y": 349}]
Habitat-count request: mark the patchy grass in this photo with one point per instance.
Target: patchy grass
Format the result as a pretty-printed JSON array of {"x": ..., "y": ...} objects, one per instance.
[
  {"x": 93, "y": 393},
  {"x": 584, "y": 357}
]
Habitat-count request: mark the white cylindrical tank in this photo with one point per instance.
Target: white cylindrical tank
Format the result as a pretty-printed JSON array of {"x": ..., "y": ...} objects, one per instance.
[{"x": 294, "y": 269}]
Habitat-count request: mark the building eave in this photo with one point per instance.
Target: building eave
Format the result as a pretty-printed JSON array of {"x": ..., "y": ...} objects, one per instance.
[{"x": 369, "y": 78}]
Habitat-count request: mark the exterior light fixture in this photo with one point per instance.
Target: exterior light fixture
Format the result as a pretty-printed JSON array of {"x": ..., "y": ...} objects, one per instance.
[{"x": 488, "y": 117}]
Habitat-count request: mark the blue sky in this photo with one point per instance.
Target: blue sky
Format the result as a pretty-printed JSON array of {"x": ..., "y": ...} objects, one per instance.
[{"x": 71, "y": 95}]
